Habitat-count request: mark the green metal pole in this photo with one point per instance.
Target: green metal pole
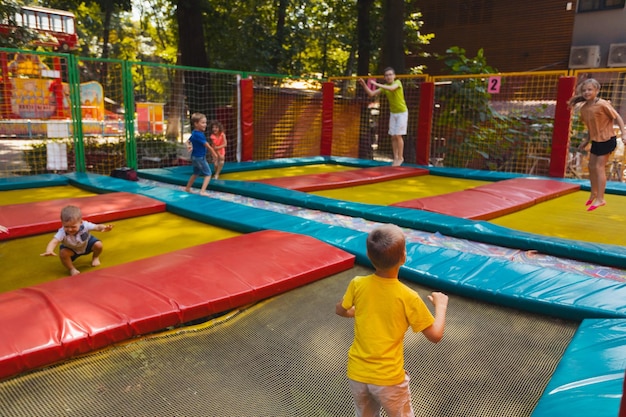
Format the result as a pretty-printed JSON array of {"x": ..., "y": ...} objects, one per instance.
[
  {"x": 76, "y": 113},
  {"x": 129, "y": 115}
]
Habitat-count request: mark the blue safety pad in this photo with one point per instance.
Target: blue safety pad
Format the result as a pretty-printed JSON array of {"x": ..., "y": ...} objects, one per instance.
[
  {"x": 525, "y": 287},
  {"x": 588, "y": 379},
  {"x": 179, "y": 172},
  {"x": 32, "y": 181},
  {"x": 478, "y": 231}
]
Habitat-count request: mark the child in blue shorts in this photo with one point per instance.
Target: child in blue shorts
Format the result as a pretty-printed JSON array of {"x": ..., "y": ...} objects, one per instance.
[{"x": 198, "y": 145}]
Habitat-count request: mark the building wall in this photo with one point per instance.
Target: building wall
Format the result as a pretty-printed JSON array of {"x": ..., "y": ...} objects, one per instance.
[
  {"x": 515, "y": 35},
  {"x": 600, "y": 28}
]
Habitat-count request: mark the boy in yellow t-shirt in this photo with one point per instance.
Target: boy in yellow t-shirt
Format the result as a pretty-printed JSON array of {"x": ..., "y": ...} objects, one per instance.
[{"x": 383, "y": 308}]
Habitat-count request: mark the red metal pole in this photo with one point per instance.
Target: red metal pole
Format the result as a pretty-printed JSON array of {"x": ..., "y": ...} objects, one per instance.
[
  {"x": 5, "y": 86},
  {"x": 328, "y": 100},
  {"x": 425, "y": 123},
  {"x": 560, "y": 133},
  {"x": 247, "y": 119}
]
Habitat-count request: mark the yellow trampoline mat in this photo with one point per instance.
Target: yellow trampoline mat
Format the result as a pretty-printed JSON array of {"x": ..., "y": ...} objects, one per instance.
[
  {"x": 261, "y": 174},
  {"x": 388, "y": 192},
  {"x": 566, "y": 217},
  {"x": 130, "y": 240},
  {"x": 32, "y": 195}
]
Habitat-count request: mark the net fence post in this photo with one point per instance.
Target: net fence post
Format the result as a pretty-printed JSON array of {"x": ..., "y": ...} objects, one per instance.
[
  {"x": 328, "y": 98},
  {"x": 129, "y": 115},
  {"x": 76, "y": 113},
  {"x": 560, "y": 134},
  {"x": 425, "y": 123},
  {"x": 247, "y": 119}
]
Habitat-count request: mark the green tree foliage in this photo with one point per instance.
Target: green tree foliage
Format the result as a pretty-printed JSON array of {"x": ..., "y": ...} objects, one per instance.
[
  {"x": 458, "y": 63},
  {"x": 296, "y": 37},
  {"x": 477, "y": 135},
  {"x": 282, "y": 36},
  {"x": 414, "y": 39}
]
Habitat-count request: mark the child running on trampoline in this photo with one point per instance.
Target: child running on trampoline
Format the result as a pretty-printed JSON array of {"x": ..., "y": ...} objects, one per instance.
[
  {"x": 198, "y": 145},
  {"x": 218, "y": 137},
  {"x": 75, "y": 239},
  {"x": 399, "y": 112},
  {"x": 598, "y": 115},
  {"x": 383, "y": 308}
]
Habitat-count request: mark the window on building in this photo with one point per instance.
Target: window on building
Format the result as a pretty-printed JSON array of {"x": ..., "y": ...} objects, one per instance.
[
  {"x": 595, "y": 5},
  {"x": 44, "y": 21},
  {"x": 475, "y": 12}
]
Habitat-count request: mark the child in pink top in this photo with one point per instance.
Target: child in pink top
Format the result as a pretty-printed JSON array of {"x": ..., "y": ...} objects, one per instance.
[{"x": 218, "y": 137}]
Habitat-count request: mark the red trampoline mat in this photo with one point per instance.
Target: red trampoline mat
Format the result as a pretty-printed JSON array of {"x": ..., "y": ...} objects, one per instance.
[
  {"x": 493, "y": 200},
  {"x": 56, "y": 320},
  {"x": 330, "y": 180},
  {"x": 39, "y": 217}
]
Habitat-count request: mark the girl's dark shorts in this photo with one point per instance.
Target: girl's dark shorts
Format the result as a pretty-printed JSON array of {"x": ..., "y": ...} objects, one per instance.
[{"x": 603, "y": 148}]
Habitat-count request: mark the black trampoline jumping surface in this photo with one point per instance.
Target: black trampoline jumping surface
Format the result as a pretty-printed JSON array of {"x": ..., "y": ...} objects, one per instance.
[{"x": 286, "y": 357}]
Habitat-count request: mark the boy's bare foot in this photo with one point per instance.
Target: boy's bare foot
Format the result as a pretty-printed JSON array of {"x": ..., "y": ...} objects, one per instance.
[
  {"x": 95, "y": 262},
  {"x": 74, "y": 272},
  {"x": 204, "y": 193},
  {"x": 187, "y": 190}
]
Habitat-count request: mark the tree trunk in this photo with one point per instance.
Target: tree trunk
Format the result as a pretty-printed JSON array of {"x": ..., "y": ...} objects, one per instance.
[
  {"x": 192, "y": 53},
  {"x": 393, "y": 42},
  {"x": 281, "y": 15},
  {"x": 108, "y": 13},
  {"x": 364, "y": 39}
]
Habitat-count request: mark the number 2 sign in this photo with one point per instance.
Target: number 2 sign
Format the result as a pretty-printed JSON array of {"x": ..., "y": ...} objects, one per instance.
[{"x": 494, "y": 85}]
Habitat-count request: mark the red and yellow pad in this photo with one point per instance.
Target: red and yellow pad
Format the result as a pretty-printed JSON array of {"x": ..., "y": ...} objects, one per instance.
[
  {"x": 38, "y": 217},
  {"x": 493, "y": 200},
  {"x": 56, "y": 320},
  {"x": 331, "y": 180}
]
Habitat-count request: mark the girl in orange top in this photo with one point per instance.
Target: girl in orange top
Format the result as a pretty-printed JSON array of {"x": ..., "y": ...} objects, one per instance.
[
  {"x": 598, "y": 116},
  {"x": 218, "y": 137}
]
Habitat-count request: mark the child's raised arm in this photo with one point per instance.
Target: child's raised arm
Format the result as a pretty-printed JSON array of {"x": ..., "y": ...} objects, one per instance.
[
  {"x": 367, "y": 89},
  {"x": 434, "y": 333}
]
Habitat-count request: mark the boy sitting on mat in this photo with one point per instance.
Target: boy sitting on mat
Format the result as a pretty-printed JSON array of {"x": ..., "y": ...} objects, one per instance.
[{"x": 76, "y": 239}]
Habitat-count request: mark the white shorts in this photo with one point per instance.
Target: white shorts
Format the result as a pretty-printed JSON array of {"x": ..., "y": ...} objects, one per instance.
[
  {"x": 395, "y": 399},
  {"x": 398, "y": 123}
]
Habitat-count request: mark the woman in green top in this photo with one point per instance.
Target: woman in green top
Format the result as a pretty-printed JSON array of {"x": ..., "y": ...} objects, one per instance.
[{"x": 398, "y": 111}]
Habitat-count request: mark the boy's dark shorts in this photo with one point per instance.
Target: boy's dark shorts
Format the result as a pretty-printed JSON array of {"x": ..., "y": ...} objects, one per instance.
[{"x": 92, "y": 241}]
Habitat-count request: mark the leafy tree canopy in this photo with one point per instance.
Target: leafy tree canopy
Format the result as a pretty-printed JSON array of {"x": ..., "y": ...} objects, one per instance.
[{"x": 298, "y": 37}]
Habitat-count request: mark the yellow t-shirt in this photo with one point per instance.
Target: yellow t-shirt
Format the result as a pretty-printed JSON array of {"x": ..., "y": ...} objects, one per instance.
[
  {"x": 599, "y": 117},
  {"x": 397, "y": 104},
  {"x": 384, "y": 310}
]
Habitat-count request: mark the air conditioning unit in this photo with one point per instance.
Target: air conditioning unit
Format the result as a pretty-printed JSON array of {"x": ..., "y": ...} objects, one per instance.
[
  {"x": 584, "y": 56},
  {"x": 617, "y": 55}
]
